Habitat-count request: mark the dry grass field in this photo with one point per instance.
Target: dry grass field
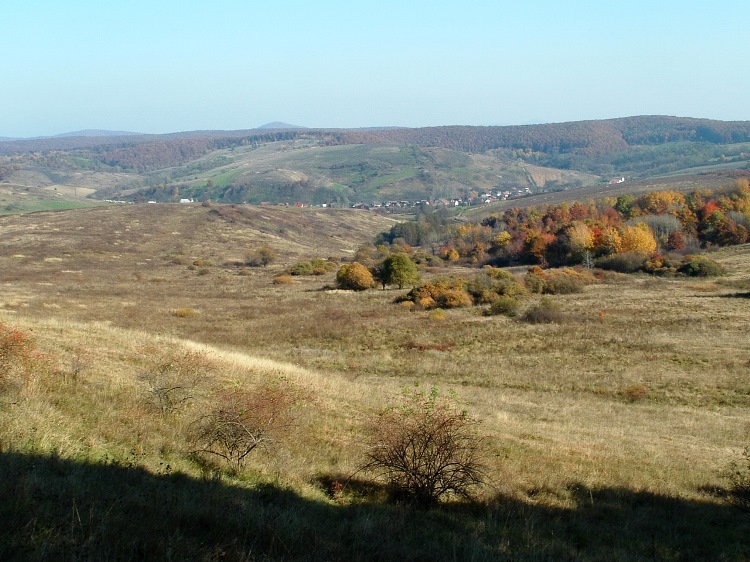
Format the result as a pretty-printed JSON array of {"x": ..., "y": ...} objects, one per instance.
[{"x": 606, "y": 433}]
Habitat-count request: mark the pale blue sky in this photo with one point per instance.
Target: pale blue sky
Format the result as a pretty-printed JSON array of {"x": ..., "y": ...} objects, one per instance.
[{"x": 160, "y": 66}]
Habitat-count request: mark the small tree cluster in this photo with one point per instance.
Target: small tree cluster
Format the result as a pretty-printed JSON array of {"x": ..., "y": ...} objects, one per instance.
[
  {"x": 425, "y": 449},
  {"x": 579, "y": 233}
]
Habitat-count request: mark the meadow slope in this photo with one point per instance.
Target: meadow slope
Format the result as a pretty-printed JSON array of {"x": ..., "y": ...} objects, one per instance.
[{"x": 606, "y": 433}]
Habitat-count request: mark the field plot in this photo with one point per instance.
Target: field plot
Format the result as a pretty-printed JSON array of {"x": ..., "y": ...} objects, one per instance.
[{"x": 606, "y": 434}]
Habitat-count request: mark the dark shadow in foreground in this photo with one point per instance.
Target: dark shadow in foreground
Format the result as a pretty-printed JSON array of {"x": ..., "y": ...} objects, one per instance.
[{"x": 55, "y": 509}]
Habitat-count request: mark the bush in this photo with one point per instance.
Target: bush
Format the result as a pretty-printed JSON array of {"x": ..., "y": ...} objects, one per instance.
[
  {"x": 301, "y": 268},
  {"x": 171, "y": 382},
  {"x": 260, "y": 257},
  {"x": 243, "y": 421},
  {"x": 425, "y": 449},
  {"x": 185, "y": 312},
  {"x": 506, "y": 306},
  {"x": 454, "y": 298},
  {"x": 546, "y": 312},
  {"x": 701, "y": 266},
  {"x": 355, "y": 277},
  {"x": 283, "y": 280},
  {"x": 562, "y": 284},
  {"x": 535, "y": 280},
  {"x": 626, "y": 262},
  {"x": 443, "y": 292}
]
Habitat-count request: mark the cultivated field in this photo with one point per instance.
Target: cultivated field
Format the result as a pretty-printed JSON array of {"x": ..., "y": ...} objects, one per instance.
[{"x": 606, "y": 433}]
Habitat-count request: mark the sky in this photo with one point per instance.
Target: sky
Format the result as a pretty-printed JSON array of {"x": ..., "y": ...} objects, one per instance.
[{"x": 158, "y": 66}]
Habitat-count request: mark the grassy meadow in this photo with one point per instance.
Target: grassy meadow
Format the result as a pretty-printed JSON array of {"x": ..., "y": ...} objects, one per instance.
[{"x": 606, "y": 434}]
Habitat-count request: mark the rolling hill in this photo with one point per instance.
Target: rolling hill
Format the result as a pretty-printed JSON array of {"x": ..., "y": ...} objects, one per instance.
[{"x": 341, "y": 167}]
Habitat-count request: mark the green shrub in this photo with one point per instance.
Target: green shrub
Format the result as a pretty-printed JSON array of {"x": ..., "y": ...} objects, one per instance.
[
  {"x": 301, "y": 268},
  {"x": 626, "y": 262},
  {"x": 701, "y": 266},
  {"x": 506, "y": 306}
]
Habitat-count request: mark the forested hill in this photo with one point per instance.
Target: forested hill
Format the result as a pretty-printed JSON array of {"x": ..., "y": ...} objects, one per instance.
[
  {"x": 597, "y": 147},
  {"x": 579, "y": 137}
]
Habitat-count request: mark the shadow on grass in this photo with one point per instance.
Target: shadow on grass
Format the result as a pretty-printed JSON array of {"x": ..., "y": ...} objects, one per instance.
[
  {"x": 55, "y": 509},
  {"x": 738, "y": 295}
]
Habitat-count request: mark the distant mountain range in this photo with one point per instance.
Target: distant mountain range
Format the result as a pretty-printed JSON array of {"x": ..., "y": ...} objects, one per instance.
[{"x": 97, "y": 133}]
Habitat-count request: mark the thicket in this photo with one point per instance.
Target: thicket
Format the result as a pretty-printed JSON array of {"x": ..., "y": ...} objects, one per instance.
[{"x": 651, "y": 232}]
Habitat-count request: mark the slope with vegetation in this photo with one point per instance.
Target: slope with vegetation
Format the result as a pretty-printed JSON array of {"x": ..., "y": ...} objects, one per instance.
[{"x": 135, "y": 339}]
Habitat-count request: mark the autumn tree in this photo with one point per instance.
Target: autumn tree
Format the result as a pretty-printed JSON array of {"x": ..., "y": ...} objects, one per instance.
[
  {"x": 638, "y": 239},
  {"x": 580, "y": 240},
  {"x": 397, "y": 269}
]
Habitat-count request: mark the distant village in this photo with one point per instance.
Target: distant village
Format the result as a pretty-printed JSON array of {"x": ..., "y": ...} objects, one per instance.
[{"x": 395, "y": 206}]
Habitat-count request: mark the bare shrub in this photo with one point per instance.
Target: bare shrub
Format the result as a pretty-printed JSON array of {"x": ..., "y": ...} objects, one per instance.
[
  {"x": 171, "y": 382},
  {"x": 425, "y": 449},
  {"x": 283, "y": 280},
  {"x": 242, "y": 421}
]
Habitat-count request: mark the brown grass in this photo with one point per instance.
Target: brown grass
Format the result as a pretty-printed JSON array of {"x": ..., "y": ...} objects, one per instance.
[{"x": 643, "y": 387}]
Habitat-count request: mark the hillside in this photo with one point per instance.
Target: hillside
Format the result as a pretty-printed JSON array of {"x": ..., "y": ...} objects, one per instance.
[
  {"x": 605, "y": 435},
  {"x": 367, "y": 166}
]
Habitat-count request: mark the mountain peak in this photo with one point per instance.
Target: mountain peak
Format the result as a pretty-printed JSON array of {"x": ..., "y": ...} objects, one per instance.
[{"x": 280, "y": 125}]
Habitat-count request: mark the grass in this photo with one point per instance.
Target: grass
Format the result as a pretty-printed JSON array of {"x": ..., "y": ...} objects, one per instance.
[{"x": 606, "y": 431}]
